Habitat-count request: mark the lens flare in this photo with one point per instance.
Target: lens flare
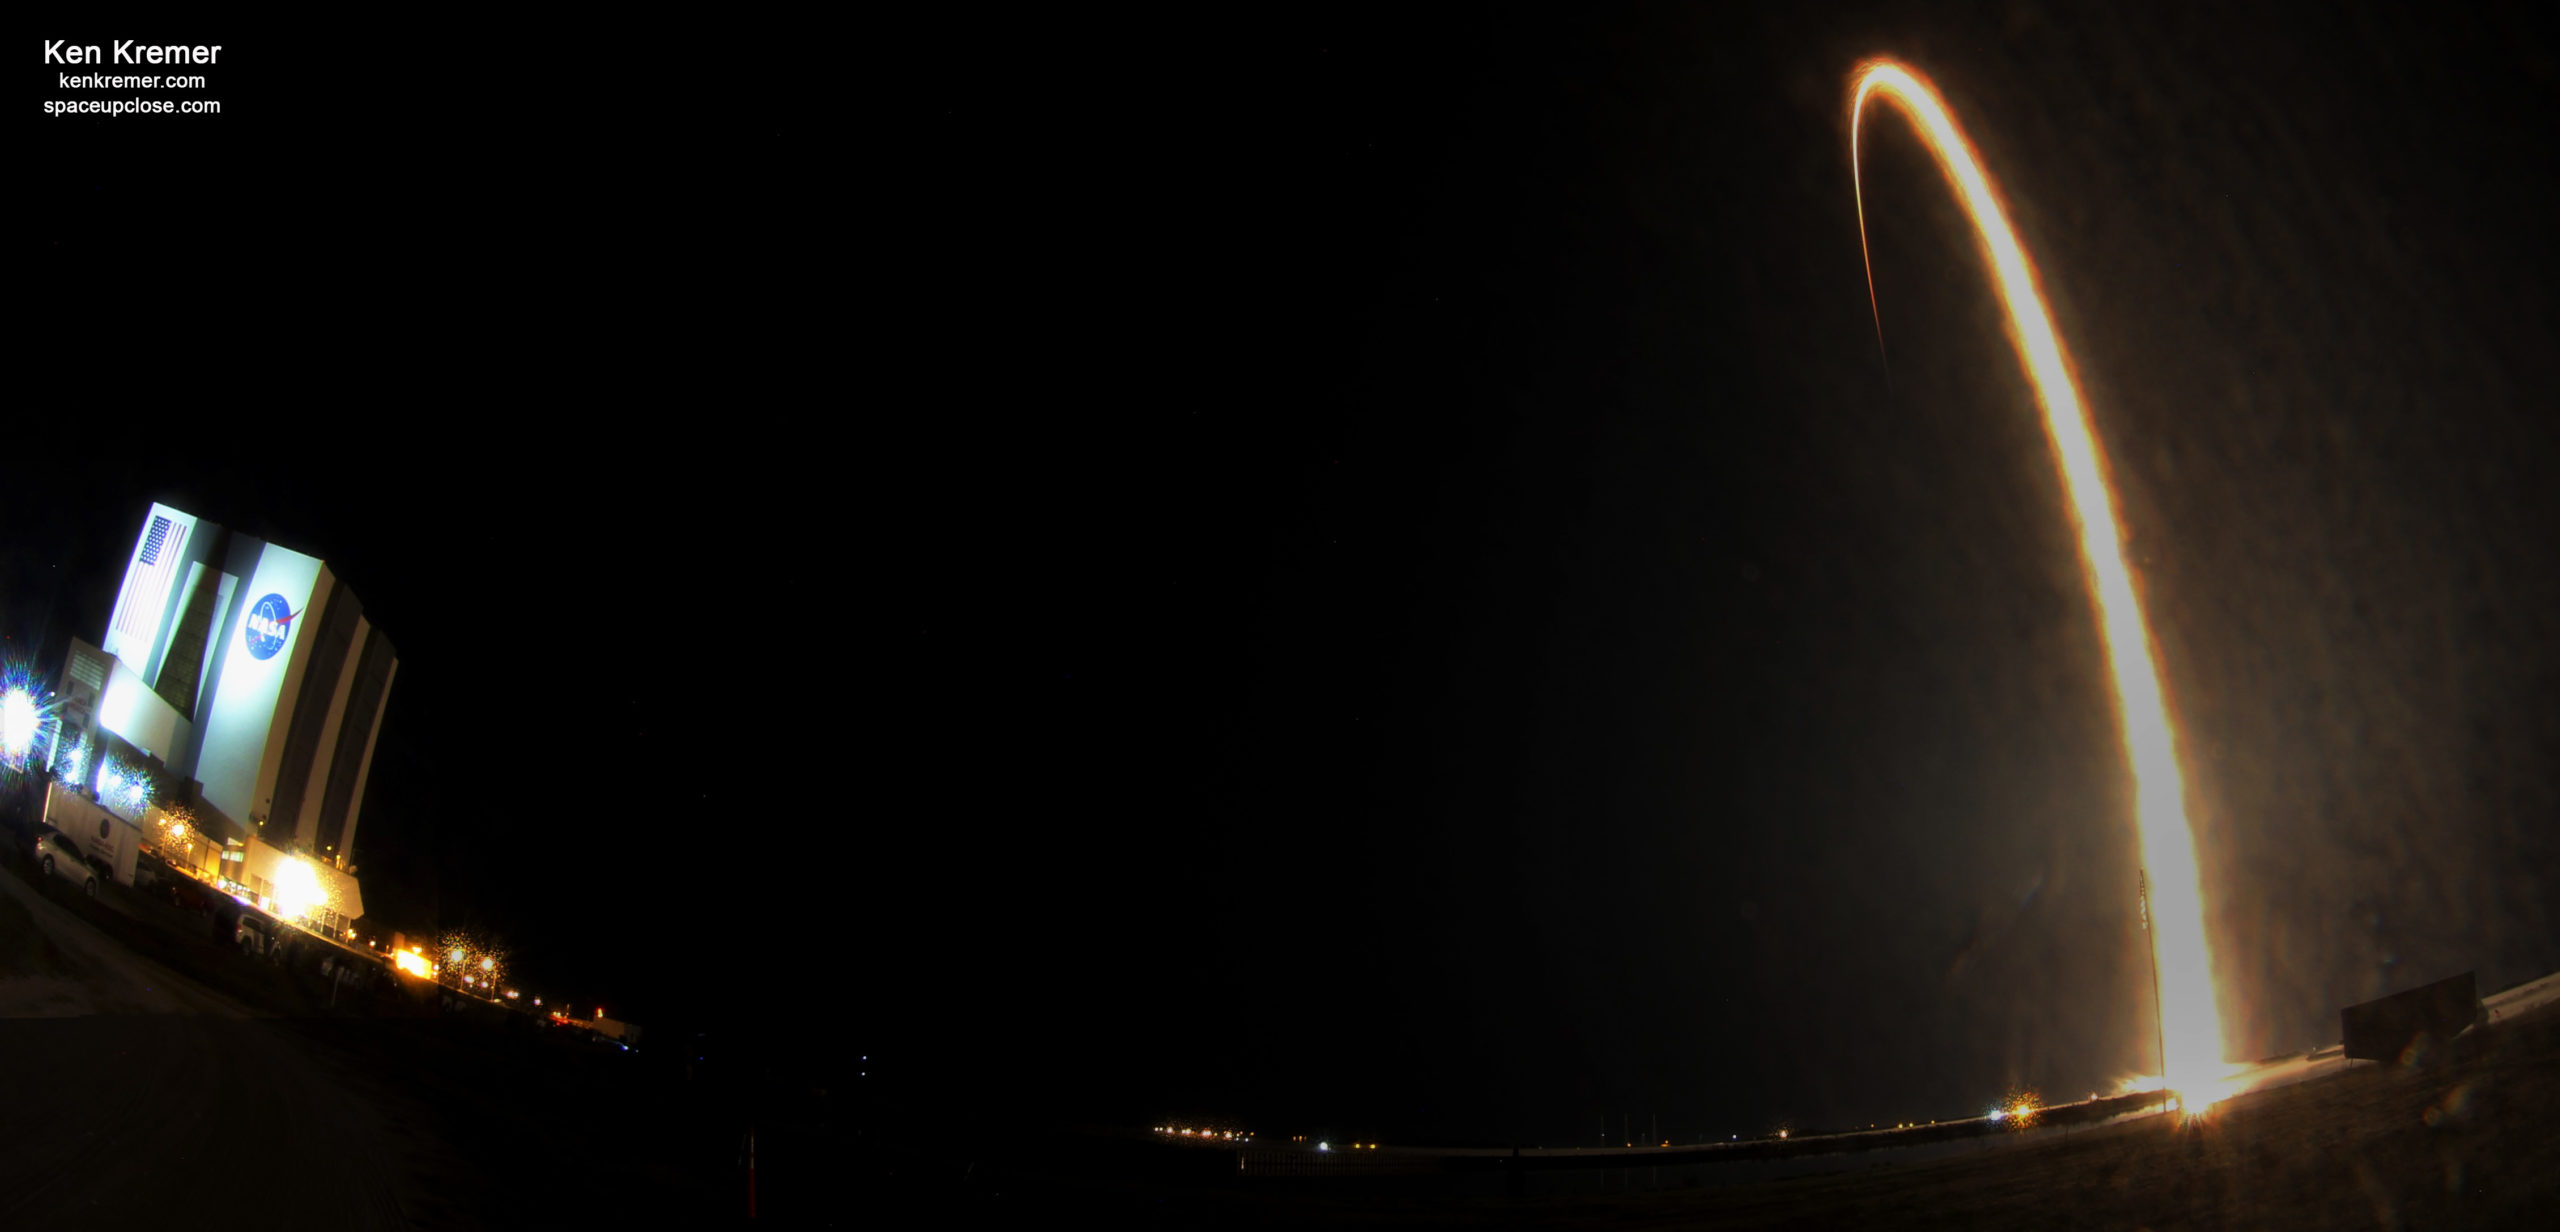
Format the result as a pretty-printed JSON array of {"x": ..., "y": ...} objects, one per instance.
[
  {"x": 71, "y": 758},
  {"x": 123, "y": 787},
  {"x": 20, "y": 718},
  {"x": 298, "y": 890},
  {"x": 26, "y": 719},
  {"x": 2190, "y": 1017},
  {"x": 471, "y": 958}
]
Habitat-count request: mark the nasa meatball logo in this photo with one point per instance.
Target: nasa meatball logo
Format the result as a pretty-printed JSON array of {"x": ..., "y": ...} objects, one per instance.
[{"x": 269, "y": 623}]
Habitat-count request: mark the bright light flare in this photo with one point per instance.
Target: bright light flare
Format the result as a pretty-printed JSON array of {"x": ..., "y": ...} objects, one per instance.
[
  {"x": 414, "y": 963},
  {"x": 71, "y": 758},
  {"x": 2190, "y": 1015},
  {"x": 298, "y": 890},
  {"x": 473, "y": 959},
  {"x": 2138, "y": 1084},
  {"x": 20, "y": 719},
  {"x": 123, "y": 787}
]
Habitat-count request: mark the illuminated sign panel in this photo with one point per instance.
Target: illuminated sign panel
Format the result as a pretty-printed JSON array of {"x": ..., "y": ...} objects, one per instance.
[{"x": 238, "y": 738}]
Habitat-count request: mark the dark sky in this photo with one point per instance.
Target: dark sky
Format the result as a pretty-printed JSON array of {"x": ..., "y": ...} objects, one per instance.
[{"x": 1370, "y": 576}]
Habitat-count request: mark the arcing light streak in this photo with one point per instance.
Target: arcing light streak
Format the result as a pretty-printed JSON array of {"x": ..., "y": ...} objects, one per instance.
[{"x": 2191, "y": 1020}]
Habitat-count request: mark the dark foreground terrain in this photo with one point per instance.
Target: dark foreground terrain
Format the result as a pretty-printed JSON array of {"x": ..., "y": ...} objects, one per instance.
[
  {"x": 151, "y": 1079},
  {"x": 2467, "y": 1136}
]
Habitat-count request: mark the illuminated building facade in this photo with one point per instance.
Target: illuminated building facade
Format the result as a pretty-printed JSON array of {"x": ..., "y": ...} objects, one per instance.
[{"x": 247, "y": 673}]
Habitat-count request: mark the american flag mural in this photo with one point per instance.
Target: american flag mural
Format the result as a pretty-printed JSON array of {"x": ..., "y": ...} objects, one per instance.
[{"x": 146, "y": 585}]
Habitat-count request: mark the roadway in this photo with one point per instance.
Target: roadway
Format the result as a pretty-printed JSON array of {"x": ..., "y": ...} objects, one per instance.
[{"x": 134, "y": 1096}]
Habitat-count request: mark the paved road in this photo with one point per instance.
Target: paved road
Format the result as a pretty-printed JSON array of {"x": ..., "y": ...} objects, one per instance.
[{"x": 131, "y": 1096}]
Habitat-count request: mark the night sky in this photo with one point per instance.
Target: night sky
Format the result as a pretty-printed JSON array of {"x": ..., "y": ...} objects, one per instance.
[{"x": 1372, "y": 577}]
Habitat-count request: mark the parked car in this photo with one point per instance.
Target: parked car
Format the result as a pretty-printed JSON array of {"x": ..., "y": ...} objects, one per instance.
[
  {"x": 60, "y": 857},
  {"x": 258, "y": 934}
]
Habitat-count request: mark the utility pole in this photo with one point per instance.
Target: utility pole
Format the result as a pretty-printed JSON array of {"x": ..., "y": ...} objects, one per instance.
[{"x": 2151, "y": 946}]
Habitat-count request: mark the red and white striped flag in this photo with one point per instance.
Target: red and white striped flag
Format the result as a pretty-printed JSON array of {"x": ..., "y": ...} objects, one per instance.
[{"x": 146, "y": 585}]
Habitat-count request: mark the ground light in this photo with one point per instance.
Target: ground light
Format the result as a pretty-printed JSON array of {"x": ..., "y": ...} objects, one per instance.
[
  {"x": 19, "y": 720},
  {"x": 298, "y": 890}
]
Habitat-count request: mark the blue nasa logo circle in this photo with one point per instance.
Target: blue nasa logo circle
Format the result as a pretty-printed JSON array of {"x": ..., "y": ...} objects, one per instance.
[{"x": 268, "y": 624}]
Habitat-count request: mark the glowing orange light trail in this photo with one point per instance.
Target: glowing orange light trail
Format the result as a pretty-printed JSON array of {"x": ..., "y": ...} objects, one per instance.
[{"x": 2191, "y": 1019}]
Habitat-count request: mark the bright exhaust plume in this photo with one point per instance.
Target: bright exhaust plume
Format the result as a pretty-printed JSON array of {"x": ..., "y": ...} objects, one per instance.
[{"x": 2190, "y": 1013}]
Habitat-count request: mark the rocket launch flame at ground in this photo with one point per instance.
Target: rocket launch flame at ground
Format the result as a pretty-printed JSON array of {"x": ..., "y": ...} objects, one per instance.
[{"x": 2190, "y": 1016}]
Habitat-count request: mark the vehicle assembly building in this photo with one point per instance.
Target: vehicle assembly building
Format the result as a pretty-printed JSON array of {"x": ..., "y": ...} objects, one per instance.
[{"x": 238, "y": 685}]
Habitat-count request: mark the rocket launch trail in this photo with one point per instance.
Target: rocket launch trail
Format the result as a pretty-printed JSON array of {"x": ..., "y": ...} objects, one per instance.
[{"x": 2190, "y": 1014}]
